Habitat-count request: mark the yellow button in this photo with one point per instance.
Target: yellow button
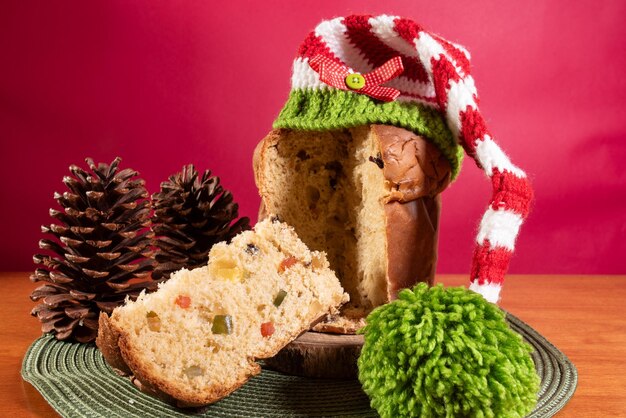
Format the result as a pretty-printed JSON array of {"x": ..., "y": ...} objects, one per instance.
[{"x": 355, "y": 81}]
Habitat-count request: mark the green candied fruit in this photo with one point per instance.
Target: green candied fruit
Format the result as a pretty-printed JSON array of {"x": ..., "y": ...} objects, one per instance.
[
  {"x": 278, "y": 300},
  {"x": 222, "y": 324}
]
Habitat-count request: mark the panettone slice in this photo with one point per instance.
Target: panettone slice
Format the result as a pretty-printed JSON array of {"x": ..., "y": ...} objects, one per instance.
[{"x": 195, "y": 339}]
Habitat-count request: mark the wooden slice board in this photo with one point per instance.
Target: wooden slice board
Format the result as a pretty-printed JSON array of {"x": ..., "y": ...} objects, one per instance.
[{"x": 321, "y": 355}]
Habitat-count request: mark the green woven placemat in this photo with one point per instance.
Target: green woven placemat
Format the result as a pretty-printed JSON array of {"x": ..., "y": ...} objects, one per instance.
[{"x": 77, "y": 382}]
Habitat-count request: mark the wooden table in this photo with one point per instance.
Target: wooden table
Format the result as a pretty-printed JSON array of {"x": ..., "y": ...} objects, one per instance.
[{"x": 584, "y": 316}]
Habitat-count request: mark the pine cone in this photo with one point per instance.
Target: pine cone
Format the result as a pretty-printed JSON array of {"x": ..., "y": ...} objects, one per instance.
[
  {"x": 102, "y": 247},
  {"x": 191, "y": 214}
]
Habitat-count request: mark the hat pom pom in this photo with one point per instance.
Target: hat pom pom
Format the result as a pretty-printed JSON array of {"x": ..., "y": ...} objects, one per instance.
[{"x": 445, "y": 352}]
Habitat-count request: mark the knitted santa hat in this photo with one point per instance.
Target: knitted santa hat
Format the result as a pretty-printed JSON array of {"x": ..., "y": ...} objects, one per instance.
[{"x": 359, "y": 70}]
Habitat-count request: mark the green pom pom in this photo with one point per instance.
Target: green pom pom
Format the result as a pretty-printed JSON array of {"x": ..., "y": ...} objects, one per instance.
[{"x": 445, "y": 352}]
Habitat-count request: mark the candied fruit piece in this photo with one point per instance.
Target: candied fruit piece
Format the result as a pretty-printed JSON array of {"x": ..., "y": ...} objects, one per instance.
[
  {"x": 154, "y": 322},
  {"x": 267, "y": 329},
  {"x": 280, "y": 296},
  {"x": 287, "y": 263},
  {"x": 232, "y": 274},
  {"x": 183, "y": 301},
  {"x": 193, "y": 371},
  {"x": 222, "y": 324},
  {"x": 224, "y": 267},
  {"x": 315, "y": 308},
  {"x": 317, "y": 261}
]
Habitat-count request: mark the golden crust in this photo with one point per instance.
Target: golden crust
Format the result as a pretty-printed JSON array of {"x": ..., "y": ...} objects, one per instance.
[
  {"x": 118, "y": 350},
  {"x": 161, "y": 387},
  {"x": 411, "y": 253},
  {"x": 107, "y": 342},
  {"x": 348, "y": 321},
  {"x": 413, "y": 167},
  {"x": 417, "y": 173},
  {"x": 259, "y": 160}
]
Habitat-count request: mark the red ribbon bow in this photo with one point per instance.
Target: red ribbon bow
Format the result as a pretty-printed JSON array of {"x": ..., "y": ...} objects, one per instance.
[{"x": 336, "y": 75}]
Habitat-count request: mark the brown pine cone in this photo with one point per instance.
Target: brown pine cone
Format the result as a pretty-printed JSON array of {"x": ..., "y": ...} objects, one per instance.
[
  {"x": 191, "y": 214},
  {"x": 102, "y": 247}
]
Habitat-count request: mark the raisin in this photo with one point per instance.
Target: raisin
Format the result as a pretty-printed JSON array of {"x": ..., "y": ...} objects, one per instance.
[
  {"x": 252, "y": 249},
  {"x": 302, "y": 155},
  {"x": 332, "y": 182},
  {"x": 334, "y": 166},
  {"x": 336, "y": 170},
  {"x": 377, "y": 160}
]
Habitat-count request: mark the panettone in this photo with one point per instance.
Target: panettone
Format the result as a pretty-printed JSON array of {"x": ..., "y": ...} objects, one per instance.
[
  {"x": 368, "y": 197},
  {"x": 350, "y": 76}
]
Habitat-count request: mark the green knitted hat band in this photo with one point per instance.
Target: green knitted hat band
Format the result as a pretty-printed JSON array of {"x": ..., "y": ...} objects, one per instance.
[{"x": 332, "y": 109}]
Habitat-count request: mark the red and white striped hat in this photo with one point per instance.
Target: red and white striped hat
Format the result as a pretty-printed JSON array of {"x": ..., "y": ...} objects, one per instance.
[{"x": 384, "y": 69}]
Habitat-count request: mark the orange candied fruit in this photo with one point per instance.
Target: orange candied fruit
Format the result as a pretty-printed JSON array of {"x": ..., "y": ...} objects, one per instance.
[
  {"x": 287, "y": 263},
  {"x": 267, "y": 329},
  {"x": 183, "y": 301}
]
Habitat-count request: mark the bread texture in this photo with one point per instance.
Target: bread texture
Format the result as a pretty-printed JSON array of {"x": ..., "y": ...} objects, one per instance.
[
  {"x": 368, "y": 197},
  {"x": 195, "y": 339}
]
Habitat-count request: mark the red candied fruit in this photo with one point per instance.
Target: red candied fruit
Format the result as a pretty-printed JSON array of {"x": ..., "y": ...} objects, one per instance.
[
  {"x": 287, "y": 263},
  {"x": 183, "y": 301},
  {"x": 267, "y": 329}
]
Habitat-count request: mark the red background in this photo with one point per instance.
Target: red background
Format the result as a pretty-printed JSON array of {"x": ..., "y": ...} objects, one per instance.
[{"x": 162, "y": 84}]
